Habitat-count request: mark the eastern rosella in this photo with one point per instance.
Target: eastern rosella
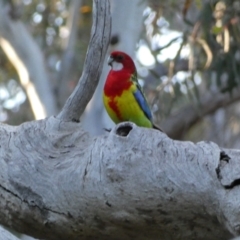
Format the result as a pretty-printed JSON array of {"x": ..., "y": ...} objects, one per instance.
[{"x": 123, "y": 96}]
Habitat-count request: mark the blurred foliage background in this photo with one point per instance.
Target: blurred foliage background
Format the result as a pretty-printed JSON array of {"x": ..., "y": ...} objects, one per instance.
[{"x": 187, "y": 53}]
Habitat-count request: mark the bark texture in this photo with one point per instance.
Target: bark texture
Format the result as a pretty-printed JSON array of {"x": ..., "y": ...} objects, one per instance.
[
  {"x": 69, "y": 52},
  {"x": 131, "y": 183},
  {"x": 100, "y": 36}
]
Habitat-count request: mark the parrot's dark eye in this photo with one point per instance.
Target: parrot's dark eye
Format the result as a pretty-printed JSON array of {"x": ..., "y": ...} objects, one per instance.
[{"x": 119, "y": 58}]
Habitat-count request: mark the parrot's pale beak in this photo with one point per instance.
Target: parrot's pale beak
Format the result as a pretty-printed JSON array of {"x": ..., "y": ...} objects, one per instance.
[{"x": 110, "y": 61}]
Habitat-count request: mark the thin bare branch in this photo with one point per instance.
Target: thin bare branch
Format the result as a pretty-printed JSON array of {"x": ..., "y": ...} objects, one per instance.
[
  {"x": 68, "y": 55},
  {"x": 100, "y": 37}
]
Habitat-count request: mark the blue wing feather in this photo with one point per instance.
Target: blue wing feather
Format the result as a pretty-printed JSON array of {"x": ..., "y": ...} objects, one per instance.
[{"x": 138, "y": 94}]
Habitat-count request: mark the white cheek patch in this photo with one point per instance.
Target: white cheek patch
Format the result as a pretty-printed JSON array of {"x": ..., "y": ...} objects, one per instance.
[{"x": 116, "y": 66}]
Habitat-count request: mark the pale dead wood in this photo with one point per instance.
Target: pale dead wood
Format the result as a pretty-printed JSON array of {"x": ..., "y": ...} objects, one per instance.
[
  {"x": 64, "y": 75},
  {"x": 100, "y": 36},
  {"x": 134, "y": 183}
]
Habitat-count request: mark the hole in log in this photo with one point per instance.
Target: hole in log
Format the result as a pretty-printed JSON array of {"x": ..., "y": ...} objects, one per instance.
[
  {"x": 223, "y": 160},
  {"x": 124, "y": 130},
  {"x": 233, "y": 184}
]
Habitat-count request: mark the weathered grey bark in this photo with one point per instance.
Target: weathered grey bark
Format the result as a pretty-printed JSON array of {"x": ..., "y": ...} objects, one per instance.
[
  {"x": 28, "y": 60},
  {"x": 57, "y": 182},
  {"x": 68, "y": 54},
  {"x": 83, "y": 92}
]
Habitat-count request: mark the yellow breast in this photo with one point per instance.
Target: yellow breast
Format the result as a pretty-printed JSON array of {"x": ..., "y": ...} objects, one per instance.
[{"x": 126, "y": 108}]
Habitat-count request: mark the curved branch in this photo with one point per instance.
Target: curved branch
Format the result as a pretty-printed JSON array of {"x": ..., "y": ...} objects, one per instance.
[
  {"x": 62, "y": 90},
  {"x": 175, "y": 126},
  {"x": 87, "y": 84}
]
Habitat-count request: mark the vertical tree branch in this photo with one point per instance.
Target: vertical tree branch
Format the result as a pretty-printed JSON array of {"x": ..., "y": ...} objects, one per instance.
[
  {"x": 100, "y": 36},
  {"x": 68, "y": 55}
]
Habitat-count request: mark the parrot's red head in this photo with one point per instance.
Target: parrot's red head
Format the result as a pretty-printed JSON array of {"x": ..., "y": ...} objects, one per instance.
[
  {"x": 120, "y": 76},
  {"x": 122, "y": 61}
]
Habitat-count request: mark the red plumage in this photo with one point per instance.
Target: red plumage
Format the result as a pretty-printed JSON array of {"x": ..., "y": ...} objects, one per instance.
[
  {"x": 118, "y": 81},
  {"x": 123, "y": 96}
]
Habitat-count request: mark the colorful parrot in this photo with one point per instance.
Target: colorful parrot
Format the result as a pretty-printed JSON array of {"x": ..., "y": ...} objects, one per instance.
[{"x": 123, "y": 97}]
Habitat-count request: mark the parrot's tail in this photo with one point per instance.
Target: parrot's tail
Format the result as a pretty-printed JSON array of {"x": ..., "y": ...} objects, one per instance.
[{"x": 157, "y": 127}]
